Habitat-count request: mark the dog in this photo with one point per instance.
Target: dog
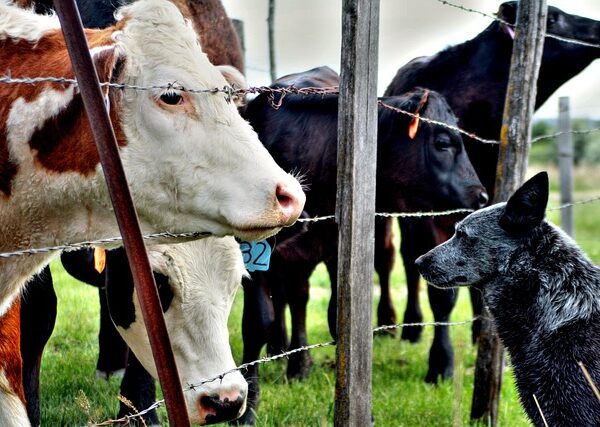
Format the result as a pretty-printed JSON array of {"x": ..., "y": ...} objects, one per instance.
[{"x": 544, "y": 295}]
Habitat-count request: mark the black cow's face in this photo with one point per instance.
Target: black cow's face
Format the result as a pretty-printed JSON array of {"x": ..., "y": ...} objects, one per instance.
[
  {"x": 431, "y": 170},
  {"x": 564, "y": 25}
]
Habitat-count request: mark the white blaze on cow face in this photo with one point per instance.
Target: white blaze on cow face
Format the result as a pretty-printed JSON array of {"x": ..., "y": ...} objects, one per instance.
[
  {"x": 204, "y": 277},
  {"x": 192, "y": 161}
]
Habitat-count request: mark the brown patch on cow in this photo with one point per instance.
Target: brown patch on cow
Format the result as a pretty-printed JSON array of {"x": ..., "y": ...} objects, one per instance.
[
  {"x": 10, "y": 349},
  {"x": 65, "y": 142}
]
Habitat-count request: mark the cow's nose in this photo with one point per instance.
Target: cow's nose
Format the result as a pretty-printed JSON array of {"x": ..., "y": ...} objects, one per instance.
[
  {"x": 224, "y": 406},
  {"x": 483, "y": 199},
  {"x": 290, "y": 201}
]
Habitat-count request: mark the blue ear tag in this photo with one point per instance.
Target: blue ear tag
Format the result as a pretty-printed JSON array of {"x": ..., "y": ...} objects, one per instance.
[{"x": 256, "y": 255}]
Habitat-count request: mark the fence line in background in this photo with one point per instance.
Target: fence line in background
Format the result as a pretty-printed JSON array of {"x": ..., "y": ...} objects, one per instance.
[{"x": 126, "y": 420}]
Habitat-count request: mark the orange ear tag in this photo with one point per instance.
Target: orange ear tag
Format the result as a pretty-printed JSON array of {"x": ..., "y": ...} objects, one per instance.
[
  {"x": 413, "y": 127},
  {"x": 99, "y": 259}
]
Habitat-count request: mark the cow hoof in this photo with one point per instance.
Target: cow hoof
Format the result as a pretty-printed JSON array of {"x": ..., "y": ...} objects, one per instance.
[
  {"x": 299, "y": 366},
  {"x": 386, "y": 316},
  {"x": 411, "y": 333},
  {"x": 105, "y": 375},
  {"x": 440, "y": 368}
]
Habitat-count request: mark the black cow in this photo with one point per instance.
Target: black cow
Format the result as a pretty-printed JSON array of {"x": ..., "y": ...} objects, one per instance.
[
  {"x": 473, "y": 77},
  {"x": 428, "y": 172}
]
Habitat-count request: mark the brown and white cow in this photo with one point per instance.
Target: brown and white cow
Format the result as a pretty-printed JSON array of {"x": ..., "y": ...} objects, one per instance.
[
  {"x": 192, "y": 162},
  {"x": 197, "y": 282}
]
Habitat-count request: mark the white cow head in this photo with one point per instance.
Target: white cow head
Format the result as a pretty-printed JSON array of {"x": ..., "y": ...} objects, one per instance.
[
  {"x": 197, "y": 282},
  {"x": 193, "y": 163}
]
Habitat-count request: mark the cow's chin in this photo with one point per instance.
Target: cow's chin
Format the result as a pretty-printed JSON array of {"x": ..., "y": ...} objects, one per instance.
[{"x": 255, "y": 233}]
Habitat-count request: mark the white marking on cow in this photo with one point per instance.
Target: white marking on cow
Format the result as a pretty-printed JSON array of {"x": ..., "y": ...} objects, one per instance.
[{"x": 12, "y": 411}]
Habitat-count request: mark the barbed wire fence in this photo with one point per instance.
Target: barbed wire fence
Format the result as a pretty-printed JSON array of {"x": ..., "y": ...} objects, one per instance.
[{"x": 276, "y": 96}]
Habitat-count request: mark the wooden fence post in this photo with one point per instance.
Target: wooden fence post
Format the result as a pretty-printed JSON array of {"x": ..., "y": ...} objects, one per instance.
[
  {"x": 271, "y": 28},
  {"x": 510, "y": 173},
  {"x": 565, "y": 165},
  {"x": 355, "y": 210}
]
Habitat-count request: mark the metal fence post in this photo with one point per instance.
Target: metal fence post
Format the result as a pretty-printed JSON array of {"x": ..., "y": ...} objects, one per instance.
[
  {"x": 127, "y": 220},
  {"x": 515, "y": 138},
  {"x": 565, "y": 165},
  {"x": 355, "y": 210}
]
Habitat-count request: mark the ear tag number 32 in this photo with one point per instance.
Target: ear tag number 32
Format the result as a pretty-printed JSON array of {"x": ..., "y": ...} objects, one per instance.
[{"x": 256, "y": 255}]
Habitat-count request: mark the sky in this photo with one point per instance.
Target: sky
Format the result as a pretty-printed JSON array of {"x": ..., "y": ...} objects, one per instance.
[{"x": 308, "y": 34}]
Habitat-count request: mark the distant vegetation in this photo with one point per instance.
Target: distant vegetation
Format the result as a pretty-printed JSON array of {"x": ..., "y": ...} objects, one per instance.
[{"x": 586, "y": 146}]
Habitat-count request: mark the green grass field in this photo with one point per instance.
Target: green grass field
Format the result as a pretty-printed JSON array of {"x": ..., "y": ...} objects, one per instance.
[{"x": 72, "y": 395}]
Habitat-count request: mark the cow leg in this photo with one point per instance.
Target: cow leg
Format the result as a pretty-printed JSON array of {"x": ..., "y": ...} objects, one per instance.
[
  {"x": 112, "y": 355},
  {"x": 441, "y": 354},
  {"x": 278, "y": 338},
  {"x": 477, "y": 304},
  {"x": 13, "y": 411},
  {"x": 113, "y": 351},
  {"x": 38, "y": 316},
  {"x": 299, "y": 364},
  {"x": 411, "y": 247},
  {"x": 384, "y": 262},
  {"x": 257, "y": 319},
  {"x": 139, "y": 388}
]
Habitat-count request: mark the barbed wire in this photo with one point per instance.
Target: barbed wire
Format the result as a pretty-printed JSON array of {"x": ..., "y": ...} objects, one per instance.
[
  {"x": 275, "y": 96},
  {"x": 201, "y": 234},
  {"x": 101, "y": 242},
  {"x": 126, "y": 420},
  {"x": 554, "y": 135},
  {"x": 502, "y": 21}
]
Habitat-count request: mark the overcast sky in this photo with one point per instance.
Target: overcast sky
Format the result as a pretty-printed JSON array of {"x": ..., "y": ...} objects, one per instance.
[{"x": 308, "y": 32}]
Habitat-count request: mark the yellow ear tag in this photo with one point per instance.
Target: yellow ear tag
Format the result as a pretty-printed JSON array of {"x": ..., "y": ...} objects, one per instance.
[
  {"x": 99, "y": 259},
  {"x": 413, "y": 127}
]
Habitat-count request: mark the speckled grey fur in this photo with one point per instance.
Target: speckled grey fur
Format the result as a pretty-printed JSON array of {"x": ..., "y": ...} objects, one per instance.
[{"x": 544, "y": 294}]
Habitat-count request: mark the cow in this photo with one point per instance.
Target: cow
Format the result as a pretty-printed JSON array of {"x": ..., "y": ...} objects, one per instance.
[
  {"x": 428, "y": 172},
  {"x": 473, "y": 77},
  {"x": 197, "y": 282},
  {"x": 191, "y": 160},
  {"x": 221, "y": 44}
]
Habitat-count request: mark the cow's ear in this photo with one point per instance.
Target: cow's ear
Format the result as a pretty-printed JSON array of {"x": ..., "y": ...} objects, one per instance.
[
  {"x": 108, "y": 61},
  {"x": 526, "y": 208},
  {"x": 235, "y": 79}
]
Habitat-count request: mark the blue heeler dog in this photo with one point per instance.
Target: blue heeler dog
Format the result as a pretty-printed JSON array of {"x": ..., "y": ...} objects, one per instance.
[{"x": 544, "y": 295}]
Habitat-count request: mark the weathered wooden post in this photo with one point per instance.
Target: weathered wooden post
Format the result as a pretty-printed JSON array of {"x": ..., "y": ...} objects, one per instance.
[
  {"x": 512, "y": 164},
  {"x": 271, "y": 28},
  {"x": 565, "y": 165},
  {"x": 355, "y": 210}
]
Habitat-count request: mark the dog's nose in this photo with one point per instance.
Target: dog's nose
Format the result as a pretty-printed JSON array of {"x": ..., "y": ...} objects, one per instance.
[{"x": 419, "y": 262}]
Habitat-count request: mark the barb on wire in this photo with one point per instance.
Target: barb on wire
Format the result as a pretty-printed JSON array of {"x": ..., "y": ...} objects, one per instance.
[
  {"x": 554, "y": 135},
  {"x": 496, "y": 18},
  {"x": 126, "y": 419}
]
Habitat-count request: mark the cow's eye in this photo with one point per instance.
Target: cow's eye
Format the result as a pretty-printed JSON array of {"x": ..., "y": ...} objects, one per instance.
[
  {"x": 171, "y": 98},
  {"x": 443, "y": 143}
]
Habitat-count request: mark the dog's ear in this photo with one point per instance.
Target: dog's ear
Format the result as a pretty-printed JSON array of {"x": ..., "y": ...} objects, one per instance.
[{"x": 525, "y": 209}]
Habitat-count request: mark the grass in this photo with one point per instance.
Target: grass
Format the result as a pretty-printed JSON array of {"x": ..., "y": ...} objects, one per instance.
[{"x": 72, "y": 395}]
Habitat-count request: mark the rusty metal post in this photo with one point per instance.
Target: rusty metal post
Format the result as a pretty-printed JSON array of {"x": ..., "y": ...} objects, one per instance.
[{"x": 106, "y": 143}]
